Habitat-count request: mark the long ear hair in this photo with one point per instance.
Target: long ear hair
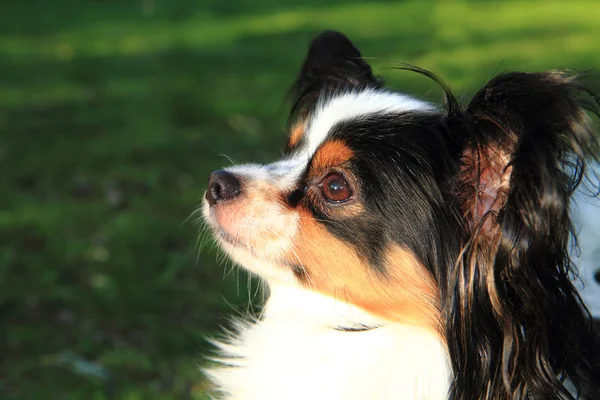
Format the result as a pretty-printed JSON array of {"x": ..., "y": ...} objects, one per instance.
[
  {"x": 516, "y": 327},
  {"x": 332, "y": 64}
]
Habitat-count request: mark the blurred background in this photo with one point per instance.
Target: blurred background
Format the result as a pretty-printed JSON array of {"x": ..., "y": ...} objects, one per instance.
[{"x": 112, "y": 115}]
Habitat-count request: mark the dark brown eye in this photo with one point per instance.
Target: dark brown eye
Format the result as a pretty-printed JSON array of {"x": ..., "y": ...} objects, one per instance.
[{"x": 336, "y": 189}]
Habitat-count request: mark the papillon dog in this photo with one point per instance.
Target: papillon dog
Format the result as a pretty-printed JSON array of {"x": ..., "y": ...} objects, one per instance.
[{"x": 411, "y": 251}]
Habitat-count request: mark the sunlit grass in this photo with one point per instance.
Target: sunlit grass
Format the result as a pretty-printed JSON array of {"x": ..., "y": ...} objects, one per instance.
[
  {"x": 453, "y": 38},
  {"x": 451, "y": 24}
]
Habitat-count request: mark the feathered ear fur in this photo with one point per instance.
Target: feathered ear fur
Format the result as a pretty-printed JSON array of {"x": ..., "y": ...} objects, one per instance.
[
  {"x": 333, "y": 63},
  {"x": 516, "y": 326}
]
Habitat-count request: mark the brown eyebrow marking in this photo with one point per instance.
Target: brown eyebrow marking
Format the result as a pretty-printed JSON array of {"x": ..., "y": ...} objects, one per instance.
[
  {"x": 296, "y": 134},
  {"x": 331, "y": 154}
]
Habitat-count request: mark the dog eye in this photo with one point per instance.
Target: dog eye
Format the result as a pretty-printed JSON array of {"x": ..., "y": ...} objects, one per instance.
[{"x": 336, "y": 189}]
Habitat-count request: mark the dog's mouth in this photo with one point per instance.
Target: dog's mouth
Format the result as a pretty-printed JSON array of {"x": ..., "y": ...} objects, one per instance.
[
  {"x": 232, "y": 244},
  {"x": 256, "y": 233},
  {"x": 225, "y": 236},
  {"x": 220, "y": 232}
]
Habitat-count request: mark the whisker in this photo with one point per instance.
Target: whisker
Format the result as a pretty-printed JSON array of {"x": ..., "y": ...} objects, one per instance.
[
  {"x": 301, "y": 265},
  {"x": 258, "y": 287},
  {"x": 228, "y": 158},
  {"x": 197, "y": 210},
  {"x": 249, "y": 289}
]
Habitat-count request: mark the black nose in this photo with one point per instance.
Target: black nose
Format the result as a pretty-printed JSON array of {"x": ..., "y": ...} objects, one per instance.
[{"x": 222, "y": 186}]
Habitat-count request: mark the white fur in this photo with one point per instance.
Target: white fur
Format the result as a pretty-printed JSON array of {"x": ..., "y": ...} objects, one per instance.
[
  {"x": 294, "y": 352},
  {"x": 352, "y": 105}
]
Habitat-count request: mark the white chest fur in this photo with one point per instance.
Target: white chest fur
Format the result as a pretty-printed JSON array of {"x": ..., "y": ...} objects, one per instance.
[{"x": 294, "y": 352}]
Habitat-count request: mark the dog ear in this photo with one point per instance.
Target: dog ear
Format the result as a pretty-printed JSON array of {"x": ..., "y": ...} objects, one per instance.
[
  {"x": 333, "y": 64},
  {"x": 526, "y": 149},
  {"x": 526, "y": 140}
]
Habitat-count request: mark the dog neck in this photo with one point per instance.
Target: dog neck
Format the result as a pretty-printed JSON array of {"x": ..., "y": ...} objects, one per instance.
[{"x": 309, "y": 346}]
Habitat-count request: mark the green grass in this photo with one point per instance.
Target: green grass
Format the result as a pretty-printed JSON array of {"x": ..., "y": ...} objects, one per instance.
[{"x": 112, "y": 114}]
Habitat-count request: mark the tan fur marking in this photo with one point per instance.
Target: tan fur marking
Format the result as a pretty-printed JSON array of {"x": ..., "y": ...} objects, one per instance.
[
  {"x": 331, "y": 154},
  {"x": 408, "y": 294},
  {"x": 296, "y": 134}
]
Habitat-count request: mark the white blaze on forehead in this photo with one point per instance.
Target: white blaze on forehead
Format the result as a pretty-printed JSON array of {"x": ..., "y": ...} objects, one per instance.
[
  {"x": 330, "y": 111},
  {"x": 282, "y": 174},
  {"x": 350, "y": 105}
]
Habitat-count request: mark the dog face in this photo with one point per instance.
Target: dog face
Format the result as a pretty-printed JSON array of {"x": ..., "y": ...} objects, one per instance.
[
  {"x": 356, "y": 209},
  {"x": 343, "y": 210}
]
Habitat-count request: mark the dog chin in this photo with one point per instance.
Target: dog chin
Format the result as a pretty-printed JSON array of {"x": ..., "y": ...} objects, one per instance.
[{"x": 270, "y": 270}]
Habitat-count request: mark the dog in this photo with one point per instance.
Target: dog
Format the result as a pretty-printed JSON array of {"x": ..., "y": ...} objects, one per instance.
[{"x": 411, "y": 251}]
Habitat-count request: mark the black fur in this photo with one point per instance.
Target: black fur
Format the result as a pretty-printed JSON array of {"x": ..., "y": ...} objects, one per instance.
[
  {"x": 540, "y": 330},
  {"x": 518, "y": 329},
  {"x": 400, "y": 205},
  {"x": 332, "y": 64}
]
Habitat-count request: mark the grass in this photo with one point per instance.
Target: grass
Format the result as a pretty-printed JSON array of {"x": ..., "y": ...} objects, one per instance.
[{"x": 112, "y": 114}]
